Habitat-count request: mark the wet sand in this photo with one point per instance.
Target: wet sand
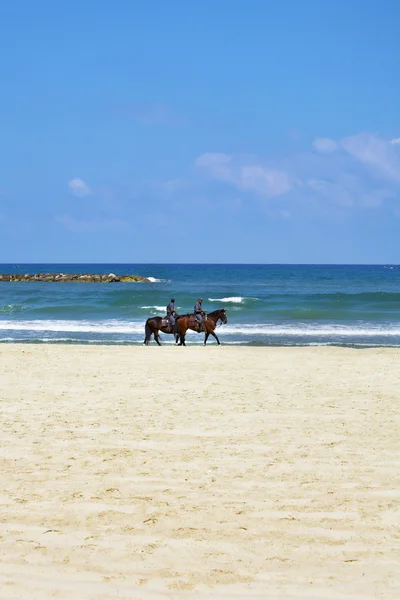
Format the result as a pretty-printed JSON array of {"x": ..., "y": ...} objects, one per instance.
[{"x": 227, "y": 472}]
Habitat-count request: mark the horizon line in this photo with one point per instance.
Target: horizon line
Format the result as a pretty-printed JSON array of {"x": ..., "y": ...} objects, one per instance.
[{"x": 276, "y": 264}]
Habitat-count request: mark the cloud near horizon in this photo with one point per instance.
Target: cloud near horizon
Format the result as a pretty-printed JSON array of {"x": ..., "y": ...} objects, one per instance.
[
  {"x": 245, "y": 175},
  {"x": 377, "y": 153},
  {"x": 79, "y": 188},
  {"x": 360, "y": 170}
]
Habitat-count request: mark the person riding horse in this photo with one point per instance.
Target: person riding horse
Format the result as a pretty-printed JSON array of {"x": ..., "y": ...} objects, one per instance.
[
  {"x": 199, "y": 312},
  {"x": 172, "y": 314}
]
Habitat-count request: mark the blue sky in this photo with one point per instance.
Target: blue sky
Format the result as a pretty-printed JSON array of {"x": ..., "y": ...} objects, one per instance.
[{"x": 220, "y": 131}]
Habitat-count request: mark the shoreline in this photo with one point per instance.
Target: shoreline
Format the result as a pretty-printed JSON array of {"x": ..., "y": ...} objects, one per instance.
[
  {"x": 208, "y": 472},
  {"x": 195, "y": 344}
]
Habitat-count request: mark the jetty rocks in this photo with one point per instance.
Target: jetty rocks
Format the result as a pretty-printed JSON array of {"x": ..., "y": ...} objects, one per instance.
[{"x": 68, "y": 277}]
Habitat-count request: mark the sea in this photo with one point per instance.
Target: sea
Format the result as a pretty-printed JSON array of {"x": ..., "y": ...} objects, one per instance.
[{"x": 267, "y": 305}]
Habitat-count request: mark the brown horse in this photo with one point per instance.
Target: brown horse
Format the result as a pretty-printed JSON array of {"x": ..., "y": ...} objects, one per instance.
[
  {"x": 185, "y": 322},
  {"x": 154, "y": 325}
]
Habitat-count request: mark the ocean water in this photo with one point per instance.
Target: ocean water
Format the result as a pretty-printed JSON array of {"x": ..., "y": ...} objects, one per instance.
[{"x": 266, "y": 304}]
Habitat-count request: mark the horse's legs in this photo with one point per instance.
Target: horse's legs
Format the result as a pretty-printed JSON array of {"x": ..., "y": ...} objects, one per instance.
[
  {"x": 147, "y": 334},
  {"x": 206, "y": 337},
  {"x": 181, "y": 333},
  {"x": 182, "y": 339},
  {"x": 157, "y": 338},
  {"x": 216, "y": 337}
]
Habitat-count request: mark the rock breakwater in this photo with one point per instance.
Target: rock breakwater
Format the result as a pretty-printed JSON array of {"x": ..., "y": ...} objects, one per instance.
[{"x": 68, "y": 277}]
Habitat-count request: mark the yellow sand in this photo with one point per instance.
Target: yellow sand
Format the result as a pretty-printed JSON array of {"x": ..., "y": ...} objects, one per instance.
[{"x": 196, "y": 472}]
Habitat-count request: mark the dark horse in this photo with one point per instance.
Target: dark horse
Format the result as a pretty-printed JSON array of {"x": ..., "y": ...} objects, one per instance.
[
  {"x": 186, "y": 322},
  {"x": 154, "y": 325}
]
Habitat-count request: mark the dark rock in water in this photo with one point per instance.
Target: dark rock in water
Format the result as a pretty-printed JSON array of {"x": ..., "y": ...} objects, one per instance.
[{"x": 67, "y": 277}]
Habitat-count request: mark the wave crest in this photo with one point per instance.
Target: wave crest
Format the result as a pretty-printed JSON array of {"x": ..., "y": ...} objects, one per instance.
[
  {"x": 13, "y": 308},
  {"x": 114, "y": 326},
  {"x": 155, "y": 280},
  {"x": 232, "y": 299}
]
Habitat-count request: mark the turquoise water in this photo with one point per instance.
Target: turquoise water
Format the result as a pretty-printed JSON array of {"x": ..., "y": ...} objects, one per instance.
[{"x": 266, "y": 304}]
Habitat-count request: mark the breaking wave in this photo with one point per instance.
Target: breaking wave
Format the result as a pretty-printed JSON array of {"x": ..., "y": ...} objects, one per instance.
[
  {"x": 13, "y": 308},
  {"x": 232, "y": 299},
  {"x": 114, "y": 326},
  {"x": 155, "y": 280}
]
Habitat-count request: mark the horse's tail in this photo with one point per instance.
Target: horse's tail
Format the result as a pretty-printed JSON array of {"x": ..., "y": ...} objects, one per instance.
[{"x": 148, "y": 333}]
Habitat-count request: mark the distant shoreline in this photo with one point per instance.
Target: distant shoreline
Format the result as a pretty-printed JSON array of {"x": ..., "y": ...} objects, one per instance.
[{"x": 68, "y": 277}]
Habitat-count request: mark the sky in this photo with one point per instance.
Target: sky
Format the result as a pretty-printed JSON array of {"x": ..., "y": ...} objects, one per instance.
[{"x": 192, "y": 132}]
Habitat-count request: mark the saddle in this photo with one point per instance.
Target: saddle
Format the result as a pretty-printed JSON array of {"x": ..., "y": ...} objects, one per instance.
[
  {"x": 194, "y": 323},
  {"x": 167, "y": 324}
]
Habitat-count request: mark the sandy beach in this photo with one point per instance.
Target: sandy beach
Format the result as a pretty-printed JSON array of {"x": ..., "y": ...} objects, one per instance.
[{"x": 218, "y": 472}]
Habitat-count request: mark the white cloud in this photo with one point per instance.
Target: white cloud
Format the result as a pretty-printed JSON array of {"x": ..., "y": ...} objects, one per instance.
[
  {"x": 325, "y": 145},
  {"x": 266, "y": 182},
  {"x": 79, "y": 188},
  {"x": 237, "y": 171},
  {"x": 359, "y": 171},
  {"x": 333, "y": 191},
  {"x": 375, "y": 152},
  {"x": 217, "y": 165}
]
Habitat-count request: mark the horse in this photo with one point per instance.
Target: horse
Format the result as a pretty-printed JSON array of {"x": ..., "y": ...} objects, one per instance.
[
  {"x": 156, "y": 324},
  {"x": 185, "y": 322}
]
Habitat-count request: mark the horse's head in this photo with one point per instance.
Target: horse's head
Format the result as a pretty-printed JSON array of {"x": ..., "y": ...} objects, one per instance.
[{"x": 223, "y": 316}]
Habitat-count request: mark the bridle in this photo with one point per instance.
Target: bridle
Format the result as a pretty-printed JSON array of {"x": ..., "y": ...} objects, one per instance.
[{"x": 220, "y": 320}]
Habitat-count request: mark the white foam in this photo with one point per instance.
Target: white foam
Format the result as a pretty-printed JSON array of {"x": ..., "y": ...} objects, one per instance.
[
  {"x": 260, "y": 329},
  {"x": 155, "y": 280},
  {"x": 232, "y": 299},
  {"x": 158, "y": 308},
  {"x": 111, "y": 326},
  {"x": 312, "y": 330}
]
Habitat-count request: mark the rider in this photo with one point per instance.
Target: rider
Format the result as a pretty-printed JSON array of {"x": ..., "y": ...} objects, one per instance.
[
  {"x": 199, "y": 312},
  {"x": 171, "y": 313}
]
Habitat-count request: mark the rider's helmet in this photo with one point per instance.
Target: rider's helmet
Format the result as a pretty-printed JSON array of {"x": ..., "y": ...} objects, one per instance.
[
  {"x": 172, "y": 299},
  {"x": 199, "y": 299}
]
